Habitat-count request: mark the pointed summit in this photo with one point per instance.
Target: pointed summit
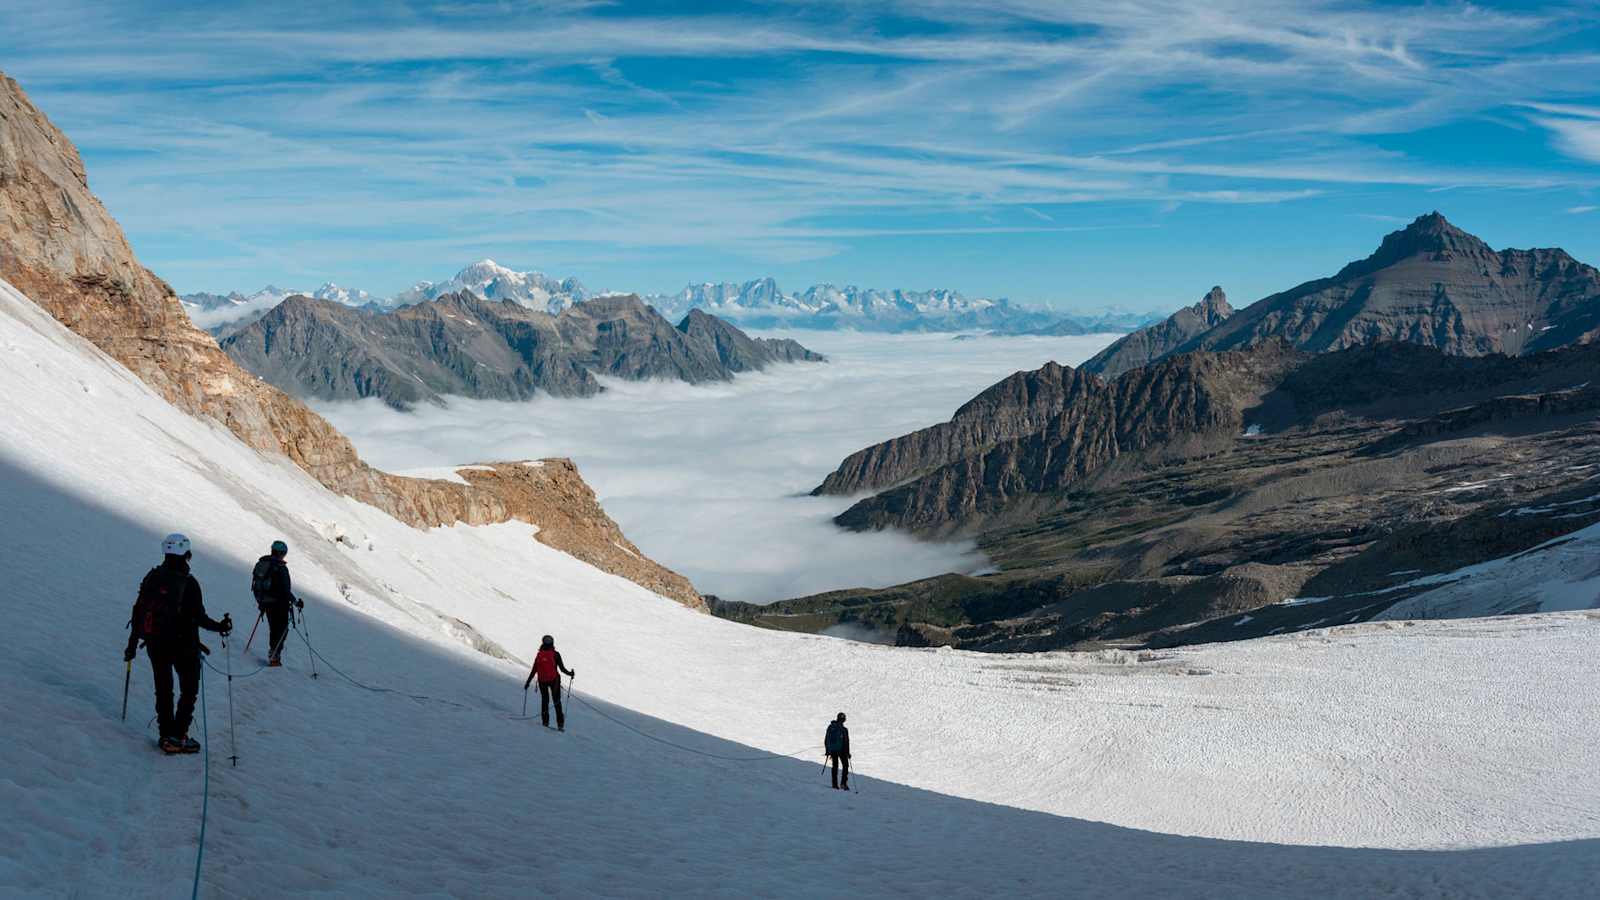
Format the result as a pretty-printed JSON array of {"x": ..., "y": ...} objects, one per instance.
[
  {"x": 1213, "y": 307},
  {"x": 1429, "y": 235},
  {"x": 1155, "y": 341}
]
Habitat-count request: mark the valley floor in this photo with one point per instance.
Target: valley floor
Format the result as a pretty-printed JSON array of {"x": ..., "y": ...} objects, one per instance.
[{"x": 1442, "y": 759}]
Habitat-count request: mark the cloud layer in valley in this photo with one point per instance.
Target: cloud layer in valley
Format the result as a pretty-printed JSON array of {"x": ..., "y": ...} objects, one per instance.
[{"x": 710, "y": 479}]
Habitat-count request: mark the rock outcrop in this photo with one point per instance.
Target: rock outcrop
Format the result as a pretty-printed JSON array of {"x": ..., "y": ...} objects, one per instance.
[
  {"x": 1021, "y": 404},
  {"x": 1155, "y": 341},
  {"x": 464, "y": 345},
  {"x": 1178, "y": 406},
  {"x": 1431, "y": 284},
  {"x": 61, "y": 248}
]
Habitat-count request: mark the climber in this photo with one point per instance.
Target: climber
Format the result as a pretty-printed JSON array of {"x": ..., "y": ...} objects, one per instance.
[
  {"x": 836, "y": 745},
  {"x": 168, "y": 616},
  {"x": 269, "y": 582},
  {"x": 547, "y": 665}
]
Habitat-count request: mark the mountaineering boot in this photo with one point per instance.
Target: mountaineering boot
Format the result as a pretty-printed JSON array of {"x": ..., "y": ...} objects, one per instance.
[
  {"x": 561, "y": 728},
  {"x": 170, "y": 745},
  {"x": 189, "y": 744},
  {"x": 274, "y": 663}
]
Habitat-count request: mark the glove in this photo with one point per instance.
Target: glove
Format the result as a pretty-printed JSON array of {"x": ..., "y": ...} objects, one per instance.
[
  {"x": 527, "y": 684},
  {"x": 128, "y": 654},
  {"x": 227, "y": 625},
  {"x": 573, "y": 674}
]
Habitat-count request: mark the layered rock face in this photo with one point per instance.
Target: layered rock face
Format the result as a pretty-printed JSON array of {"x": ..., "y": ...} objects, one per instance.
[
  {"x": 1158, "y": 340},
  {"x": 1176, "y": 406},
  {"x": 464, "y": 345},
  {"x": 61, "y": 248},
  {"x": 1431, "y": 284},
  {"x": 1021, "y": 404}
]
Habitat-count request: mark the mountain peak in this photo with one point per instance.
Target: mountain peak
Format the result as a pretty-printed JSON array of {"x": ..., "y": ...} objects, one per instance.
[{"x": 1428, "y": 235}]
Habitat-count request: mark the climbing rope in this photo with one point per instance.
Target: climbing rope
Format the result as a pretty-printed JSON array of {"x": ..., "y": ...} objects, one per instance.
[
  {"x": 254, "y": 672},
  {"x": 205, "y": 796},
  {"x": 367, "y": 687}
]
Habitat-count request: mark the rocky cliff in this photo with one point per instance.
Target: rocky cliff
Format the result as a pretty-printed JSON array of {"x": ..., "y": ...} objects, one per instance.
[
  {"x": 737, "y": 351},
  {"x": 1178, "y": 406},
  {"x": 1431, "y": 284},
  {"x": 61, "y": 248},
  {"x": 1021, "y": 404},
  {"x": 465, "y": 345},
  {"x": 1158, "y": 340}
]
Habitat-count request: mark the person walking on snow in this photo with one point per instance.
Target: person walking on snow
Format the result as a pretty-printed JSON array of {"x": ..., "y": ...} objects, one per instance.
[
  {"x": 168, "y": 616},
  {"x": 836, "y": 744},
  {"x": 547, "y": 665},
  {"x": 270, "y": 584}
]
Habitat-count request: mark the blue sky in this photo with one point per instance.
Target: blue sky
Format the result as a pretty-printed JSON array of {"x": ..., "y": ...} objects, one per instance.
[{"x": 1078, "y": 154}]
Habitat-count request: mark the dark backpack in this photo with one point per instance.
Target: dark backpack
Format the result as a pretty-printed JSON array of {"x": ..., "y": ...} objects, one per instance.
[
  {"x": 261, "y": 580},
  {"x": 833, "y": 743},
  {"x": 158, "y": 613}
]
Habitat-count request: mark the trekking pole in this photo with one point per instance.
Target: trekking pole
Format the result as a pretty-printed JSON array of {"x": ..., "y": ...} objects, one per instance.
[
  {"x": 524, "y": 701},
  {"x": 233, "y": 739},
  {"x": 127, "y": 676},
  {"x": 305, "y": 630},
  {"x": 253, "y": 630}
]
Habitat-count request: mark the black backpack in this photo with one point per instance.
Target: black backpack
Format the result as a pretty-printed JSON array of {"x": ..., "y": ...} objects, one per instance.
[
  {"x": 158, "y": 613},
  {"x": 261, "y": 580},
  {"x": 833, "y": 741}
]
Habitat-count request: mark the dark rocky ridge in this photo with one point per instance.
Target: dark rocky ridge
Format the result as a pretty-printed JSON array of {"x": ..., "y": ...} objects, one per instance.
[
  {"x": 1178, "y": 405},
  {"x": 1021, "y": 404},
  {"x": 1431, "y": 284},
  {"x": 1155, "y": 341},
  {"x": 464, "y": 345}
]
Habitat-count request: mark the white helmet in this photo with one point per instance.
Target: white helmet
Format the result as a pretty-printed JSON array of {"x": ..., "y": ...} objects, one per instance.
[{"x": 175, "y": 545}]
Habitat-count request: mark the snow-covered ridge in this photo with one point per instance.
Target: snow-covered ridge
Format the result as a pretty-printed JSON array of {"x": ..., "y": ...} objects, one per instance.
[{"x": 758, "y": 303}]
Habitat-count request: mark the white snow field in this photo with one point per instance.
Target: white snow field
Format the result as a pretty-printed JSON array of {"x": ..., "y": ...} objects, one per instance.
[{"x": 1440, "y": 759}]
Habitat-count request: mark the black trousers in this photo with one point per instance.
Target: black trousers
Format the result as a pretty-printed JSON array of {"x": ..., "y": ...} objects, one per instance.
[
  {"x": 547, "y": 692},
  {"x": 164, "y": 662},
  {"x": 837, "y": 761},
  {"x": 277, "y": 627}
]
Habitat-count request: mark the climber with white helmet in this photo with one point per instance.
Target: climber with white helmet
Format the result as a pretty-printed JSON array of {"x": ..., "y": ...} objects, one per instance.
[{"x": 168, "y": 616}]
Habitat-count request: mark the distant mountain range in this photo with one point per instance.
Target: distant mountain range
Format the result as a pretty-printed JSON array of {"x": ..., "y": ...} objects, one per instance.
[
  {"x": 462, "y": 344},
  {"x": 752, "y": 304}
]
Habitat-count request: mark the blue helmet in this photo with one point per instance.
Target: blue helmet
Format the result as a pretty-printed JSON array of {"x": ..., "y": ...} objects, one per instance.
[{"x": 279, "y": 548}]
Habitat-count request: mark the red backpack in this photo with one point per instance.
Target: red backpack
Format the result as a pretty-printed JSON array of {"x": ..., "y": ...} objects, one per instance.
[
  {"x": 544, "y": 665},
  {"x": 159, "y": 610}
]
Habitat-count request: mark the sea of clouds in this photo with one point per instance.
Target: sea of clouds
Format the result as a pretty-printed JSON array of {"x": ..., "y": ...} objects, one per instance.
[{"x": 711, "y": 480}]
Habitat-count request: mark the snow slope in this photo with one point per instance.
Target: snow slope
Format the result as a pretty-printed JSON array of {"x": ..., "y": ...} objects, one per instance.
[{"x": 1443, "y": 759}]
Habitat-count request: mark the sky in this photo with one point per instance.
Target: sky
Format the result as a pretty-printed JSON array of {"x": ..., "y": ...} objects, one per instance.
[
  {"x": 1078, "y": 154},
  {"x": 712, "y": 479}
]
